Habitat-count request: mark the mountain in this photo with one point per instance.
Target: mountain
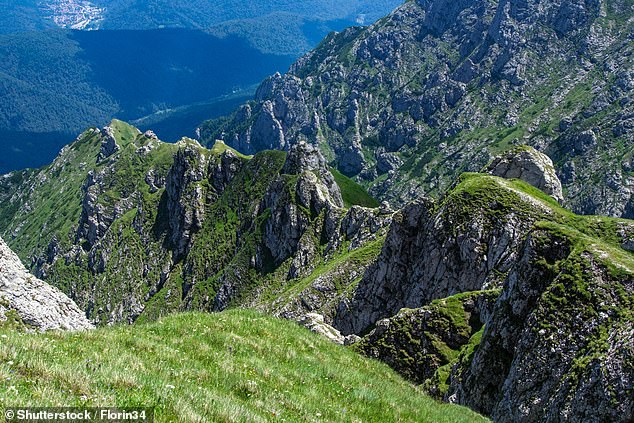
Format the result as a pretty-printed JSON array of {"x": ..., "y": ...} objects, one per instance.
[
  {"x": 194, "y": 222},
  {"x": 483, "y": 287},
  {"x": 440, "y": 87},
  {"x": 170, "y": 65},
  {"x": 495, "y": 296},
  {"x": 29, "y": 303},
  {"x": 232, "y": 366}
]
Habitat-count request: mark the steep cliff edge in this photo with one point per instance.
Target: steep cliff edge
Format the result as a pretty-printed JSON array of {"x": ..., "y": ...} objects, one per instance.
[
  {"x": 29, "y": 303},
  {"x": 499, "y": 299},
  {"x": 441, "y": 87}
]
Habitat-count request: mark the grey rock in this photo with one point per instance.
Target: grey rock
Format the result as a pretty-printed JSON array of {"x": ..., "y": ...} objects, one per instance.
[
  {"x": 585, "y": 141},
  {"x": 186, "y": 197},
  {"x": 150, "y": 135},
  {"x": 109, "y": 144},
  {"x": 387, "y": 162},
  {"x": 315, "y": 323},
  {"x": 38, "y": 305},
  {"x": 530, "y": 166},
  {"x": 522, "y": 370}
]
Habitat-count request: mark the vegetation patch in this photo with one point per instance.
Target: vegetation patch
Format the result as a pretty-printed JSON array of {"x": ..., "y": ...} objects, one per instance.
[
  {"x": 352, "y": 193},
  {"x": 233, "y": 366}
]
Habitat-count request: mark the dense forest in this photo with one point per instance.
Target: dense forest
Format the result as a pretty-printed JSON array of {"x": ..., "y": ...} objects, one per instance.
[{"x": 56, "y": 83}]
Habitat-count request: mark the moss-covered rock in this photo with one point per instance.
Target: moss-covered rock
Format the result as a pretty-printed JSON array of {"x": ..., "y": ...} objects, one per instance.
[{"x": 418, "y": 343}]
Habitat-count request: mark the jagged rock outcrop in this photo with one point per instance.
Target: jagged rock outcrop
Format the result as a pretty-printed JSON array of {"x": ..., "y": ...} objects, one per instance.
[
  {"x": 361, "y": 230},
  {"x": 433, "y": 251},
  {"x": 109, "y": 144},
  {"x": 555, "y": 346},
  {"x": 36, "y": 304},
  {"x": 306, "y": 178},
  {"x": 304, "y": 158},
  {"x": 186, "y": 194},
  {"x": 438, "y": 87},
  {"x": 530, "y": 166}
]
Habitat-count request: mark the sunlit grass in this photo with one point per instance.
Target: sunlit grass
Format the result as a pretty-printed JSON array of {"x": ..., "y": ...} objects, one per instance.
[{"x": 234, "y": 366}]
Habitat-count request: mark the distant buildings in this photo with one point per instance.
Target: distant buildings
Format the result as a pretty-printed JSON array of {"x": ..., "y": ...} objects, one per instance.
[{"x": 74, "y": 14}]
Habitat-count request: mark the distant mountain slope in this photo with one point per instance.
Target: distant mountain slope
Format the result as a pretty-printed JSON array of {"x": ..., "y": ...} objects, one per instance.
[
  {"x": 274, "y": 26},
  {"x": 439, "y": 87},
  {"x": 201, "y": 14},
  {"x": 22, "y": 15}
]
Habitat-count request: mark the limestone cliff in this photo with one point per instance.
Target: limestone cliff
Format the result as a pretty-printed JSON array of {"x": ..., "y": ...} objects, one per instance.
[{"x": 31, "y": 303}]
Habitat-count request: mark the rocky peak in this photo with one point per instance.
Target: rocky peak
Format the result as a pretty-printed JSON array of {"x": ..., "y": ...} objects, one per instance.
[
  {"x": 37, "y": 305},
  {"x": 316, "y": 185},
  {"x": 185, "y": 193},
  {"x": 109, "y": 144},
  {"x": 303, "y": 157},
  {"x": 530, "y": 166}
]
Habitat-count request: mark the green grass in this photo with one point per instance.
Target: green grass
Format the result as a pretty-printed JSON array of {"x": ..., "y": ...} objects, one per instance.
[
  {"x": 220, "y": 147},
  {"x": 353, "y": 194},
  {"x": 229, "y": 367}
]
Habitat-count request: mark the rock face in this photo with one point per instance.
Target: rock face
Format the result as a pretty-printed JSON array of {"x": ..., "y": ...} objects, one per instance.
[
  {"x": 438, "y": 87},
  {"x": 553, "y": 343},
  {"x": 433, "y": 251},
  {"x": 37, "y": 305},
  {"x": 530, "y": 166},
  {"x": 548, "y": 350}
]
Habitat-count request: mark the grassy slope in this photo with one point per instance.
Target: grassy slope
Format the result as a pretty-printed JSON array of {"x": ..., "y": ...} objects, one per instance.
[
  {"x": 353, "y": 194},
  {"x": 234, "y": 366}
]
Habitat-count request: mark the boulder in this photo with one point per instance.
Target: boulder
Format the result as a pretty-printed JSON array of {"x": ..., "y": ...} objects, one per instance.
[
  {"x": 530, "y": 166},
  {"x": 315, "y": 323}
]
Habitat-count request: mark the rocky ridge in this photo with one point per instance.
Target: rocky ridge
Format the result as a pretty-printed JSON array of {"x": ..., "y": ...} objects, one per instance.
[
  {"x": 441, "y": 87},
  {"x": 142, "y": 228},
  {"x": 446, "y": 291},
  {"x": 513, "y": 314}
]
